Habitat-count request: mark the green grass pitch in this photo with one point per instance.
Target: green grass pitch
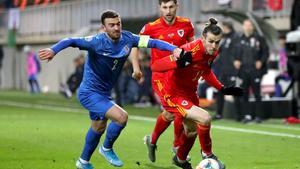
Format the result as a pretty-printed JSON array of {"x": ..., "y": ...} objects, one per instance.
[{"x": 47, "y": 132}]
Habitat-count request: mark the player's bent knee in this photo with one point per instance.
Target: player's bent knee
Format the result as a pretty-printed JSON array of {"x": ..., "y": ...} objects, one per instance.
[
  {"x": 204, "y": 120},
  {"x": 99, "y": 126},
  {"x": 168, "y": 116},
  {"x": 100, "y": 130},
  {"x": 122, "y": 119},
  {"x": 207, "y": 119}
]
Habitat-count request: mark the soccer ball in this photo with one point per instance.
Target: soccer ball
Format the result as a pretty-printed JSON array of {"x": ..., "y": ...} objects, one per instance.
[{"x": 208, "y": 163}]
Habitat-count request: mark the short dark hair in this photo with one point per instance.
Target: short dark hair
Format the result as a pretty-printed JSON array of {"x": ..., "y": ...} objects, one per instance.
[
  {"x": 282, "y": 36},
  {"x": 165, "y": 1},
  {"x": 228, "y": 25},
  {"x": 109, "y": 14},
  {"x": 212, "y": 27}
]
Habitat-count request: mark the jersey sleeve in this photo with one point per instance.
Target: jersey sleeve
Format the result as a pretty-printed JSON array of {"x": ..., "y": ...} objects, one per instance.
[
  {"x": 191, "y": 31},
  {"x": 164, "y": 64},
  {"x": 80, "y": 42},
  {"x": 211, "y": 79},
  {"x": 145, "y": 30},
  {"x": 197, "y": 49},
  {"x": 168, "y": 63}
]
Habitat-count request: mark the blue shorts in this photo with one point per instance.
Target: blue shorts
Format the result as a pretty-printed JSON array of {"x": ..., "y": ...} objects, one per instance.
[{"x": 95, "y": 103}]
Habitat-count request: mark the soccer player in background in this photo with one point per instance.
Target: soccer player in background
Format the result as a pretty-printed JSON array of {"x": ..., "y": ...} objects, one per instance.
[
  {"x": 180, "y": 93},
  {"x": 107, "y": 53},
  {"x": 175, "y": 30}
]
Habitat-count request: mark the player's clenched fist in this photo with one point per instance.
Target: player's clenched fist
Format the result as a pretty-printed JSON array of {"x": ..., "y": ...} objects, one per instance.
[{"x": 138, "y": 76}]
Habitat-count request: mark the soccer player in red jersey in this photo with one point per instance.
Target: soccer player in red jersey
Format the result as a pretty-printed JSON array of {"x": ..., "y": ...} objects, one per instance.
[
  {"x": 177, "y": 31},
  {"x": 180, "y": 93}
]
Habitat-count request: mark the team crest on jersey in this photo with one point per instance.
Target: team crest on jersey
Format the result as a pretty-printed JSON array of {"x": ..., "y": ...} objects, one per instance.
[
  {"x": 126, "y": 50},
  {"x": 180, "y": 32},
  {"x": 184, "y": 103}
]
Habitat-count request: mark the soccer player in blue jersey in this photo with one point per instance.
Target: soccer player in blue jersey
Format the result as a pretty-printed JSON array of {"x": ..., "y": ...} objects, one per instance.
[{"x": 107, "y": 53}]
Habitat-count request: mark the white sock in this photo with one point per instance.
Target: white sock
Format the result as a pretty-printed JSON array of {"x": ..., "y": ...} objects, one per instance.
[
  {"x": 205, "y": 155},
  {"x": 83, "y": 161},
  {"x": 180, "y": 161},
  {"x": 106, "y": 149}
]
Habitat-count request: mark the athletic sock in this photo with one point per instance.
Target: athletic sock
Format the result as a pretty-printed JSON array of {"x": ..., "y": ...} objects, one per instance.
[
  {"x": 112, "y": 133},
  {"x": 186, "y": 146},
  {"x": 161, "y": 125},
  {"x": 178, "y": 130},
  {"x": 83, "y": 161},
  {"x": 204, "y": 138},
  {"x": 91, "y": 142}
]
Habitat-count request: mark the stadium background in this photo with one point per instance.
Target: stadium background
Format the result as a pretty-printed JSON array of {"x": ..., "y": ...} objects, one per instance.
[{"x": 42, "y": 25}]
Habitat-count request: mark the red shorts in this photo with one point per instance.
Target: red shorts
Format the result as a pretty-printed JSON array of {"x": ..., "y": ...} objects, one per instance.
[{"x": 178, "y": 104}]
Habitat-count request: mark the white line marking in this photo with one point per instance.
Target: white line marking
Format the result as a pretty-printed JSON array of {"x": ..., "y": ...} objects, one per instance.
[
  {"x": 256, "y": 132},
  {"x": 149, "y": 119},
  {"x": 279, "y": 127},
  {"x": 43, "y": 107}
]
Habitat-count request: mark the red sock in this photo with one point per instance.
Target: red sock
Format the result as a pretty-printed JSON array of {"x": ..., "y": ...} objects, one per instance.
[
  {"x": 161, "y": 125},
  {"x": 186, "y": 146},
  {"x": 204, "y": 138},
  {"x": 178, "y": 130}
]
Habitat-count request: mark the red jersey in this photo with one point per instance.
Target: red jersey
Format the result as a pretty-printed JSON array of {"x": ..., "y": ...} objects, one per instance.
[
  {"x": 177, "y": 34},
  {"x": 184, "y": 81}
]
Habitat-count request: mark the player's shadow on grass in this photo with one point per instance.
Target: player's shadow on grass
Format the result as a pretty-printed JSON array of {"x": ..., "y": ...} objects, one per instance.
[{"x": 152, "y": 166}]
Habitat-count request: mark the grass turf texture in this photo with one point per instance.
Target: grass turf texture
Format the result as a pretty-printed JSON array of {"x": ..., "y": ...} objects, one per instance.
[{"x": 33, "y": 136}]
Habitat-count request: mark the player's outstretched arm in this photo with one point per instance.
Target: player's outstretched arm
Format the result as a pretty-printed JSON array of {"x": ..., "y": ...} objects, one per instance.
[
  {"x": 212, "y": 80},
  {"x": 81, "y": 43},
  {"x": 145, "y": 41},
  {"x": 164, "y": 64},
  {"x": 171, "y": 62},
  {"x": 49, "y": 53},
  {"x": 162, "y": 45}
]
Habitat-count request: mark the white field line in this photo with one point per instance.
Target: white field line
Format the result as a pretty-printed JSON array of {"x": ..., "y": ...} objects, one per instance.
[
  {"x": 140, "y": 118},
  {"x": 279, "y": 127},
  {"x": 42, "y": 107},
  {"x": 256, "y": 132}
]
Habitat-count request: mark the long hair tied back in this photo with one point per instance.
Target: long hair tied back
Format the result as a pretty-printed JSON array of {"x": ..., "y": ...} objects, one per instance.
[
  {"x": 212, "y": 27},
  {"x": 212, "y": 21}
]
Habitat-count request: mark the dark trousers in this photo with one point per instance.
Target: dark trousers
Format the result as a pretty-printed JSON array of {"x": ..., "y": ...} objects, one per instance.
[
  {"x": 228, "y": 79},
  {"x": 34, "y": 86},
  {"x": 250, "y": 81}
]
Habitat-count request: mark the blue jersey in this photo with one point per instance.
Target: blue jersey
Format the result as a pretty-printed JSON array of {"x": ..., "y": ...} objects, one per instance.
[{"x": 106, "y": 57}]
